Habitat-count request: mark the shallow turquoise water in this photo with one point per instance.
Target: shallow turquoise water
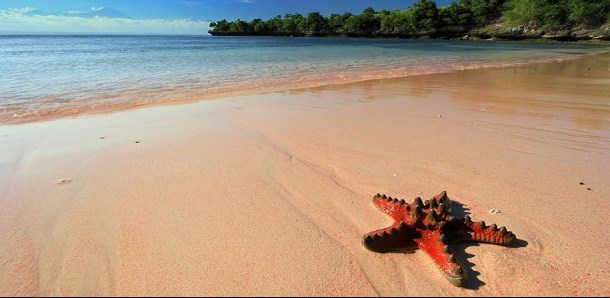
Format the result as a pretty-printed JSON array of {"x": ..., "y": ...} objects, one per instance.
[{"x": 48, "y": 72}]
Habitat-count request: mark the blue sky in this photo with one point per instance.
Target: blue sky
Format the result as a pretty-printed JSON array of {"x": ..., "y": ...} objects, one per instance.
[{"x": 160, "y": 16}]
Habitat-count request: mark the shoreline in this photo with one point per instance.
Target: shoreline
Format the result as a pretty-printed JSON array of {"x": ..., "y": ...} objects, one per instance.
[
  {"x": 220, "y": 197},
  {"x": 19, "y": 114},
  {"x": 504, "y": 36}
]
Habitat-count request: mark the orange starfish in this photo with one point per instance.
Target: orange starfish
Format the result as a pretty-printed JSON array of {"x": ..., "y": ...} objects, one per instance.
[{"x": 431, "y": 226}]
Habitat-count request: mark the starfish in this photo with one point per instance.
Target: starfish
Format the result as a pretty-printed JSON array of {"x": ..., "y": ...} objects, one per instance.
[{"x": 432, "y": 227}]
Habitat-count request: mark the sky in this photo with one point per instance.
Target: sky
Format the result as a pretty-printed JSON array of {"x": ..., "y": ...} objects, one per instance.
[{"x": 161, "y": 16}]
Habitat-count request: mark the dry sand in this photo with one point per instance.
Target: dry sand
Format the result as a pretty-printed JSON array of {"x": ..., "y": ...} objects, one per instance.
[{"x": 271, "y": 194}]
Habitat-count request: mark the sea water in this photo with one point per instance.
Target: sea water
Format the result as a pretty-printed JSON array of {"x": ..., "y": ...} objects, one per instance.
[{"x": 42, "y": 75}]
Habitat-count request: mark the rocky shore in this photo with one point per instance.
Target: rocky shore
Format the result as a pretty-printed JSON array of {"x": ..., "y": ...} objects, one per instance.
[{"x": 498, "y": 31}]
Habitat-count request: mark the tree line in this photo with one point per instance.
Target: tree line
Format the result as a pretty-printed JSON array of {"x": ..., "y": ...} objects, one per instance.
[{"x": 424, "y": 17}]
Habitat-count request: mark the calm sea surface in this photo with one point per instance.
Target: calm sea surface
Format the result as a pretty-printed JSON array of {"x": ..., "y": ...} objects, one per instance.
[{"x": 53, "y": 74}]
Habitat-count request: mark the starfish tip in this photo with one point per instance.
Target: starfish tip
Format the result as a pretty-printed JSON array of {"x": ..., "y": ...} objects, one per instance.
[{"x": 458, "y": 277}]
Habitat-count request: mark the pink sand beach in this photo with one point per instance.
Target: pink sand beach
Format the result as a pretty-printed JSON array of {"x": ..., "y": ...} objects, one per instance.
[{"x": 270, "y": 194}]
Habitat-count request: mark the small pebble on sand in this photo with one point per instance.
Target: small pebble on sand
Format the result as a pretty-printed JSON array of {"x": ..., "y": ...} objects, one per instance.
[{"x": 494, "y": 211}]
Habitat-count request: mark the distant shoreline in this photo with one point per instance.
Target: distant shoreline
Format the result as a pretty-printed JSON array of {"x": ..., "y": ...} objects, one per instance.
[
  {"x": 559, "y": 21},
  {"x": 592, "y": 36}
]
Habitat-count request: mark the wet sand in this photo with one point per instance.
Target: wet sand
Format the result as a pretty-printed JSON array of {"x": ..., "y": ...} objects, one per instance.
[
  {"x": 97, "y": 103},
  {"x": 271, "y": 194}
]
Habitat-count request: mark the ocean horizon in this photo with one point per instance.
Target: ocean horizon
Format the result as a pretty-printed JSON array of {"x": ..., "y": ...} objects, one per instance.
[{"x": 44, "y": 75}]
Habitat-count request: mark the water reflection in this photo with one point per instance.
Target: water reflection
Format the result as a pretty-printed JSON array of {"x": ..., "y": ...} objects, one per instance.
[{"x": 567, "y": 103}]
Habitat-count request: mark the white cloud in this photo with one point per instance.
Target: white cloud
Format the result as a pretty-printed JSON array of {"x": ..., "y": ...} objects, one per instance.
[
  {"x": 96, "y": 8},
  {"x": 18, "y": 21},
  {"x": 20, "y": 10}
]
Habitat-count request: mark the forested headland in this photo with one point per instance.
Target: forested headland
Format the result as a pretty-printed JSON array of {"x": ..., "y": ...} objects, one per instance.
[{"x": 561, "y": 20}]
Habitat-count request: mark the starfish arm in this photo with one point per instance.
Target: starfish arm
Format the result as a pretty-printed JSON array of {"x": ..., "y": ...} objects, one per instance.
[
  {"x": 395, "y": 208},
  {"x": 479, "y": 232},
  {"x": 395, "y": 237},
  {"x": 433, "y": 243}
]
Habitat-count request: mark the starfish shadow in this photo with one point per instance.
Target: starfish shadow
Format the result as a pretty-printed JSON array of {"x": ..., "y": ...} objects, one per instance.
[
  {"x": 474, "y": 283},
  {"x": 459, "y": 209}
]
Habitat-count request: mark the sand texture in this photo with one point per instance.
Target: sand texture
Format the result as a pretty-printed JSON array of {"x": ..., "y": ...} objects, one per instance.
[{"x": 271, "y": 194}]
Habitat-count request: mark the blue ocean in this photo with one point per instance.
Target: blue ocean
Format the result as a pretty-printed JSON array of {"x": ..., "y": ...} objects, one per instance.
[{"x": 47, "y": 74}]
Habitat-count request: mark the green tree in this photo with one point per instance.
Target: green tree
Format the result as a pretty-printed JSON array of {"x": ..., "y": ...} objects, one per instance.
[
  {"x": 589, "y": 12},
  {"x": 397, "y": 21},
  {"x": 536, "y": 13},
  {"x": 274, "y": 24},
  {"x": 222, "y": 25},
  {"x": 240, "y": 26},
  {"x": 336, "y": 23},
  {"x": 315, "y": 22},
  {"x": 484, "y": 11},
  {"x": 293, "y": 23},
  {"x": 556, "y": 13},
  {"x": 455, "y": 15},
  {"x": 258, "y": 25},
  {"x": 425, "y": 15},
  {"x": 367, "y": 22}
]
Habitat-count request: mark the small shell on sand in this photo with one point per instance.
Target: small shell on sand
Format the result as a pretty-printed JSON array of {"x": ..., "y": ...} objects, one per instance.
[
  {"x": 494, "y": 211},
  {"x": 64, "y": 181}
]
